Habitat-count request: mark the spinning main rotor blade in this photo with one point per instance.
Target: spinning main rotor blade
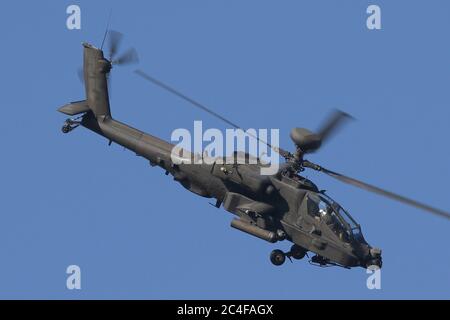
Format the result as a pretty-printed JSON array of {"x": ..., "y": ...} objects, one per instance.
[
  {"x": 160, "y": 84},
  {"x": 333, "y": 123},
  {"x": 371, "y": 188}
]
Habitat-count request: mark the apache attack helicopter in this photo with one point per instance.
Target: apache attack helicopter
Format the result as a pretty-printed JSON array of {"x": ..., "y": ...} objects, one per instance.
[{"x": 283, "y": 206}]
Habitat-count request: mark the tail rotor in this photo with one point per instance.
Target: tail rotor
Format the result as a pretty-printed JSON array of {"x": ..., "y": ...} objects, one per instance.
[{"x": 130, "y": 56}]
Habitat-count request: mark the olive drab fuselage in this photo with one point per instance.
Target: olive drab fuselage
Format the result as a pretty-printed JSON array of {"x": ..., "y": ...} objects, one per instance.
[{"x": 283, "y": 206}]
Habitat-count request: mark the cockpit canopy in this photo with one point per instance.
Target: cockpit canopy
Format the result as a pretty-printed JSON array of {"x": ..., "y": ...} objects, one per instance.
[{"x": 323, "y": 207}]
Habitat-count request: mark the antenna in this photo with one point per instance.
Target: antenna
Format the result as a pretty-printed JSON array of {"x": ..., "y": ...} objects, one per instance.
[{"x": 107, "y": 29}]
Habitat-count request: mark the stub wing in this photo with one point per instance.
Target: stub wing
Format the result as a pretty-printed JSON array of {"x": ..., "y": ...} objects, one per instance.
[{"x": 75, "y": 108}]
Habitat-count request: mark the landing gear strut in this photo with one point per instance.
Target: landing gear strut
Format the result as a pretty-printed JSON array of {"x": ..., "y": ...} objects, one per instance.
[
  {"x": 278, "y": 257},
  {"x": 69, "y": 125}
]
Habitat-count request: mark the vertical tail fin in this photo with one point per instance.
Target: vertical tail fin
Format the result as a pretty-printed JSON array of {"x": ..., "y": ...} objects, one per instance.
[{"x": 95, "y": 71}]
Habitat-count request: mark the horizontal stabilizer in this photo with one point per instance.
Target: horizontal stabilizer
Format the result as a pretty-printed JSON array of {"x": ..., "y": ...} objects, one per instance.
[{"x": 74, "y": 108}]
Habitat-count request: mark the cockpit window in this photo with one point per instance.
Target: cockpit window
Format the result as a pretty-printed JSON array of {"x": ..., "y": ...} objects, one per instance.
[
  {"x": 317, "y": 207},
  {"x": 326, "y": 209},
  {"x": 342, "y": 212}
]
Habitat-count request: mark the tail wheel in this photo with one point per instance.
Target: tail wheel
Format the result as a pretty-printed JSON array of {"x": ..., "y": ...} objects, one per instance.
[
  {"x": 277, "y": 257},
  {"x": 65, "y": 128},
  {"x": 297, "y": 252}
]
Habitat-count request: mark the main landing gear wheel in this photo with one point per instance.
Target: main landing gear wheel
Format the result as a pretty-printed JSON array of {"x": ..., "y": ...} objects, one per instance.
[
  {"x": 297, "y": 252},
  {"x": 277, "y": 257}
]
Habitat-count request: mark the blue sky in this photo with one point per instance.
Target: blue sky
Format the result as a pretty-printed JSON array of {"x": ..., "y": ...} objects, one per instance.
[{"x": 71, "y": 199}]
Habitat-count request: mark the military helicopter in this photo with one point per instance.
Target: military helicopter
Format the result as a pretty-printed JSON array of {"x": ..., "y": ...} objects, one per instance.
[{"x": 282, "y": 206}]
